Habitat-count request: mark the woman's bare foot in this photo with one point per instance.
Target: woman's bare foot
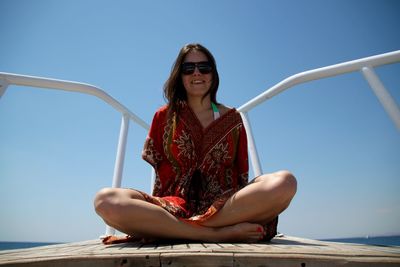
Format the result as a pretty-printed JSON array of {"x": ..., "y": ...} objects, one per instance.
[{"x": 241, "y": 232}]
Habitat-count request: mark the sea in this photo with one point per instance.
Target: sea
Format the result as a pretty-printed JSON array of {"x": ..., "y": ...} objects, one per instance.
[
  {"x": 370, "y": 240},
  {"x": 4, "y": 245}
]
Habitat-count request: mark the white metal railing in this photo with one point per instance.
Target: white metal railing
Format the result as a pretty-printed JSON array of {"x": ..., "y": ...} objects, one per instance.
[
  {"x": 365, "y": 65},
  {"x": 7, "y": 79}
]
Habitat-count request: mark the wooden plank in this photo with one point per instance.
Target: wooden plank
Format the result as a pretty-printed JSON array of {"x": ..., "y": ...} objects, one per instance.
[
  {"x": 250, "y": 260},
  {"x": 197, "y": 247},
  {"x": 282, "y": 251},
  {"x": 200, "y": 259},
  {"x": 139, "y": 260},
  {"x": 180, "y": 247},
  {"x": 211, "y": 246}
]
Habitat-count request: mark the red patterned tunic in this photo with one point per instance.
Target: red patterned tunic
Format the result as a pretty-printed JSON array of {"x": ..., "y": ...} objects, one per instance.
[{"x": 197, "y": 169}]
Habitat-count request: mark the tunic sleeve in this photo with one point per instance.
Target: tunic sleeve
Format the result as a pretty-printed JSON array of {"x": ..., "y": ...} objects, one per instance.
[{"x": 152, "y": 150}]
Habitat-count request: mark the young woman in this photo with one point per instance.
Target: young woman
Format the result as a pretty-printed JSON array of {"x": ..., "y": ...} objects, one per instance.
[{"x": 198, "y": 149}]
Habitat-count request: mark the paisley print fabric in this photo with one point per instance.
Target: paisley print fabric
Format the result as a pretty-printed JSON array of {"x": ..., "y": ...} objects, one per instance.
[{"x": 197, "y": 169}]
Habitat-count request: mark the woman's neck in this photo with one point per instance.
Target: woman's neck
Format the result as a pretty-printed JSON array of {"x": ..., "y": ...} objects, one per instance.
[{"x": 199, "y": 105}]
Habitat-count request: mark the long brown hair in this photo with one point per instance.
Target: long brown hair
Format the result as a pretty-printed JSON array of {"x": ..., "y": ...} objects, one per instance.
[{"x": 174, "y": 91}]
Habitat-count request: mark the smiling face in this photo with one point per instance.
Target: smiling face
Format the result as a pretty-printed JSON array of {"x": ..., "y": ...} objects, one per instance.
[{"x": 196, "y": 84}]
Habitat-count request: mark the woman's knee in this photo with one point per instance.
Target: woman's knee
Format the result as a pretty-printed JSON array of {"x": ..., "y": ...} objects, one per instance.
[
  {"x": 282, "y": 183},
  {"x": 287, "y": 183},
  {"x": 105, "y": 200},
  {"x": 109, "y": 202}
]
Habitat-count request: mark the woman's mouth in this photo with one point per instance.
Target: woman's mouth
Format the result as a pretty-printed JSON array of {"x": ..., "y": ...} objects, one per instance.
[{"x": 197, "y": 81}]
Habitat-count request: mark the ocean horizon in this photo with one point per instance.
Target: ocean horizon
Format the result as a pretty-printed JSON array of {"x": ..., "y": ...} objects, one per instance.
[
  {"x": 6, "y": 245},
  {"x": 392, "y": 240},
  {"x": 368, "y": 240}
]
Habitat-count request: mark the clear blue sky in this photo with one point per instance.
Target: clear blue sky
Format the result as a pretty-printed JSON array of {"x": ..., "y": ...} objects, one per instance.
[{"x": 57, "y": 148}]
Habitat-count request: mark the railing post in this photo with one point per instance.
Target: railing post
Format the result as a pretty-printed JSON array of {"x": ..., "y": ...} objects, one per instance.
[
  {"x": 255, "y": 160},
  {"x": 3, "y": 87},
  {"x": 383, "y": 95},
  {"x": 120, "y": 158},
  {"x": 119, "y": 161}
]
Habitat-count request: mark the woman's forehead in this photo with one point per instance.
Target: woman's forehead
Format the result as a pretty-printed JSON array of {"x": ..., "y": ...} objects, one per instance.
[{"x": 195, "y": 56}]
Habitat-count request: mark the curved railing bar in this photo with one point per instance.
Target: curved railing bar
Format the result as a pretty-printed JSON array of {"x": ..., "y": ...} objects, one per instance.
[
  {"x": 71, "y": 86},
  {"x": 7, "y": 79},
  {"x": 365, "y": 65},
  {"x": 325, "y": 72}
]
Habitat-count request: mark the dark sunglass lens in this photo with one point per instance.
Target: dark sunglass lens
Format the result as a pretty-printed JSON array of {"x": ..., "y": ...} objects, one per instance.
[
  {"x": 204, "y": 68},
  {"x": 188, "y": 68}
]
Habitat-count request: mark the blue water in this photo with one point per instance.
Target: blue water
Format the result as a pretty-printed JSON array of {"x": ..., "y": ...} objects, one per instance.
[
  {"x": 374, "y": 240},
  {"x": 17, "y": 245}
]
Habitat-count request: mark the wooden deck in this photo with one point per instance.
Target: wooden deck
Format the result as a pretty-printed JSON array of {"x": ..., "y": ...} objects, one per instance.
[{"x": 282, "y": 251}]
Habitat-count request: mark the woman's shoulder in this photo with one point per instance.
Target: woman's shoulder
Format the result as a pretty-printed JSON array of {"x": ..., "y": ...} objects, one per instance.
[
  {"x": 161, "y": 113},
  {"x": 162, "y": 110},
  {"x": 226, "y": 109}
]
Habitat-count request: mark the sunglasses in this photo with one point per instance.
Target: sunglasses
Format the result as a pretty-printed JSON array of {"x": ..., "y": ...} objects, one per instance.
[{"x": 204, "y": 67}]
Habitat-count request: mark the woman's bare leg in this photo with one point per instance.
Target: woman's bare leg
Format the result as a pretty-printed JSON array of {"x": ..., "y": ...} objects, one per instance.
[
  {"x": 127, "y": 211},
  {"x": 259, "y": 202}
]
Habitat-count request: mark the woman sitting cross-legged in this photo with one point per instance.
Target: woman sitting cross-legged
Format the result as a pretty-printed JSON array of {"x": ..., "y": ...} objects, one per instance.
[{"x": 198, "y": 148}]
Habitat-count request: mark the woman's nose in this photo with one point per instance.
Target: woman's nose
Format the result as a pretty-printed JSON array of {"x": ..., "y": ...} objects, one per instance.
[{"x": 196, "y": 71}]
